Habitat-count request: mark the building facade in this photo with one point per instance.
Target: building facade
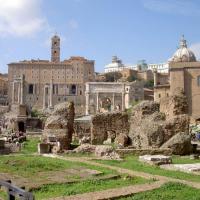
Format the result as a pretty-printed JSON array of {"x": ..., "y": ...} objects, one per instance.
[
  {"x": 117, "y": 66},
  {"x": 3, "y": 89},
  {"x": 41, "y": 84},
  {"x": 184, "y": 75},
  {"x": 160, "y": 67}
]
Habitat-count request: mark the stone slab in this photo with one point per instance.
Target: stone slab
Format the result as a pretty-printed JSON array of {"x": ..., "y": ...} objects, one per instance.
[
  {"x": 156, "y": 159},
  {"x": 190, "y": 168}
]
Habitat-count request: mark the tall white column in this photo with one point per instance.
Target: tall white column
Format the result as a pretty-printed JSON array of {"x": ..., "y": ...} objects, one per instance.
[
  {"x": 51, "y": 95},
  {"x": 123, "y": 106},
  {"x": 113, "y": 101},
  {"x": 22, "y": 91},
  {"x": 19, "y": 91},
  {"x": 13, "y": 92},
  {"x": 97, "y": 94},
  {"x": 155, "y": 77},
  {"x": 44, "y": 98},
  {"x": 87, "y": 96}
]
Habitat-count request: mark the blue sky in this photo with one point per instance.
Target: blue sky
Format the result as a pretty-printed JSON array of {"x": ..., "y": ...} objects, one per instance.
[{"x": 97, "y": 29}]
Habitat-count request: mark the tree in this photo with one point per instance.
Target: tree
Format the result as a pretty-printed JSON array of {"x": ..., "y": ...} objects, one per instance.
[
  {"x": 149, "y": 84},
  {"x": 113, "y": 76},
  {"x": 131, "y": 78}
]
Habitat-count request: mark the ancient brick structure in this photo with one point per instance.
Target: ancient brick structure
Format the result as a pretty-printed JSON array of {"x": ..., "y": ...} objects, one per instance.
[{"x": 106, "y": 124}]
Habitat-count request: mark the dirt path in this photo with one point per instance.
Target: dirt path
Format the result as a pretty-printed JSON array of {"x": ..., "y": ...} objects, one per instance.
[
  {"x": 124, "y": 191},
  {"x": 113, "y": 193}
]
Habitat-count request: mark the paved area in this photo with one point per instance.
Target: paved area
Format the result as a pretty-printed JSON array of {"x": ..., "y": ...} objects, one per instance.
[{"x": 124, "y": 191}]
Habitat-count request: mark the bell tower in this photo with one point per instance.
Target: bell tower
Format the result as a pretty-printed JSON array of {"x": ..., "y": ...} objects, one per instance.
[{"x": 55, "y": 49}]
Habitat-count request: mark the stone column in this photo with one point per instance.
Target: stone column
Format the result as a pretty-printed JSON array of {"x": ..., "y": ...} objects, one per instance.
[
  {"x": 123, "y": 106},
  {"x": 97, "y": 95},
  {"x": 113, "y": 101},
  {"x": 87, "y": 95},
  {"x": 51, "y": 94},
  {"x": 22, "y": 91},
  {"x": 19, "y": 91},
  {"x": 44, "y": 98},
  {"x": 13, "y": 92},
  {"x": 155, "y": 77}
]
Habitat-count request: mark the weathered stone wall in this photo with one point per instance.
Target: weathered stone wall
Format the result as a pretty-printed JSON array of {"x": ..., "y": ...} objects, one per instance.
[
  {"x": 174, "y": 105},
  {"x": 60, "y": 124},
  {"x": 108, "y": 123},
  {"x": 82, "y": 128},
  {"x": 151, "y": 128}
]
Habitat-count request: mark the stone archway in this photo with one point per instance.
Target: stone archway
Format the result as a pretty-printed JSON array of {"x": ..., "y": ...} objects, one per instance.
[{"x": 106, "y": 104}]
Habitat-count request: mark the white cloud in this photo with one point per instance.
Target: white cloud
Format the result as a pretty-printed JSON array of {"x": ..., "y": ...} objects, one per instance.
[
  {"x": 21, "y": 17},
  {"x": 182, "y": 7},
  {"x": 73, "y": 24},
  {"x": 196, "y": 49}
]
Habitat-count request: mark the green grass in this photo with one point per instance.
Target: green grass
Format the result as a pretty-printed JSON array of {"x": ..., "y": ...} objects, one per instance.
[
  {"x": 30, "y": 146},
  {"x": 3, "y": 194},
  {"x": 132, "y": 163},
  {"x": 29, "y": 165},
  {"x": 169, "y": 191},
  {"x": 56, "y": 190}
]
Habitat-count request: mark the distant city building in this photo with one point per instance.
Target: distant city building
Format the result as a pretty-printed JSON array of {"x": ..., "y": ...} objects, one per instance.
[
  {"x": 160, "y": 67},
  {"x": 117, "y": 66},
  {"x": 41, "y": 84}
]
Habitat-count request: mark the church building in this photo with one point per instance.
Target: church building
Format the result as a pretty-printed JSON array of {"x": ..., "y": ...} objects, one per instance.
[{"x": 184, "y": 74}]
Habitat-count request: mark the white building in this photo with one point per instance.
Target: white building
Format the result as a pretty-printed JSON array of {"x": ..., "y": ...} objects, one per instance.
[
  {"x": 117, "y": 66},
  {"x": 161, "y": 67}
]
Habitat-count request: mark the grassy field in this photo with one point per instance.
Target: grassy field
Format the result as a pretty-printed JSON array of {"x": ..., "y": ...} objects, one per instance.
[
  {"x": 132, "y": 163},
  {"x": 30, "y": 167},
  {"x": 169, "y": 191},
  {"x": 55, "y": 190}
]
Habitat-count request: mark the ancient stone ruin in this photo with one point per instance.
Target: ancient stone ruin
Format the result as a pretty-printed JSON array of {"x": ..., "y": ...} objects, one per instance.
[
  {"x": 164, "y": 125},
  {"x": 109, "y": 126},
  {"x": 58, "y": 130}
]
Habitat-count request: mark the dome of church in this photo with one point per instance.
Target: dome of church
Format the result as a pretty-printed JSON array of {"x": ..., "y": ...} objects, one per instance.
[{"x": 183, "y": 54}]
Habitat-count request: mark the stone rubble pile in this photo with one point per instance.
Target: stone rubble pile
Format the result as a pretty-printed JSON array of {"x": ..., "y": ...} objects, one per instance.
[{"x": 103, "y": 151}]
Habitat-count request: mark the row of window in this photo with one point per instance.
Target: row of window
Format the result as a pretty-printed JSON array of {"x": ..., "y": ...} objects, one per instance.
[{"x": 72, "y": 89}]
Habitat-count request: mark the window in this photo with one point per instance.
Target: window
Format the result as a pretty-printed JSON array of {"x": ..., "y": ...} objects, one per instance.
[
  {"x": 198, "y": 80},
  {"x": 73, "y": 89},
  {"x": 55, "y": 88},
  {"x": 30, "y": 89},
  {"x": 159, "y": 95}
]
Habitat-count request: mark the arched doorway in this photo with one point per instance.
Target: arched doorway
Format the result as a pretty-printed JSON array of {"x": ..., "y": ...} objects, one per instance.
[
  {"x": 106, "y": 104},
  {"x": 21, "y": 127}
]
